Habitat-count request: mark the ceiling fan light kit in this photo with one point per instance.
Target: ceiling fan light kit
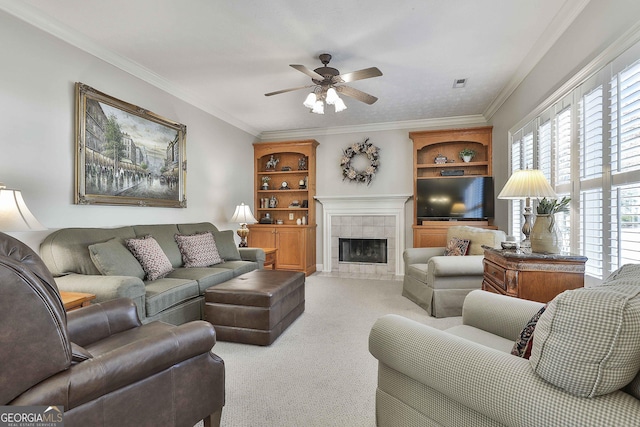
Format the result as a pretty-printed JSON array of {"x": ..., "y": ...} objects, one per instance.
[{"x": 327, "y": 82}]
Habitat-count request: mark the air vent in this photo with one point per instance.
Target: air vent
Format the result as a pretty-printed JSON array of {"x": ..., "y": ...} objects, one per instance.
[{"x": 459, "y": 83}]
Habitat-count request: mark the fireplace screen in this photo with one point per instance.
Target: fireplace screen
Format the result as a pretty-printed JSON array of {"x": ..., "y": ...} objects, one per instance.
[{"x": 363, "y": 250}]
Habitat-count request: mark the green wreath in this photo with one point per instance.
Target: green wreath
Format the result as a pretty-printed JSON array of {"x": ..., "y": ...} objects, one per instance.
[{"x": 368, "y": 149}]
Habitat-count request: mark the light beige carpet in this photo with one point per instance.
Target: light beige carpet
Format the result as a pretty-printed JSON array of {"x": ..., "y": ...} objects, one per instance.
[{"x": 319, "y": 372}]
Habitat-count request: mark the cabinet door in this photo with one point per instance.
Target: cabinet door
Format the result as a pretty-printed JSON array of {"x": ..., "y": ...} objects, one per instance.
[
  {"x": 291, "y": 249},
  {"x": 262, "y": 238}
]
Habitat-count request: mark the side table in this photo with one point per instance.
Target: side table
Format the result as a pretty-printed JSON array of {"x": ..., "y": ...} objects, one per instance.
[
  {"x": 75, "y": 300},
  {"x": 271, "y": 257},
  {"x": 532, "y": 276}
]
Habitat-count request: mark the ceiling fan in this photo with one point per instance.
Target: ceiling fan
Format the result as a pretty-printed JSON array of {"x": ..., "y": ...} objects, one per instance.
[{"x": 328, "y": 82}]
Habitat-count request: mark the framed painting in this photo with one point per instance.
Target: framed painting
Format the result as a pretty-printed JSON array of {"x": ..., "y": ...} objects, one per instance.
[{"x": 126, "y": 155}]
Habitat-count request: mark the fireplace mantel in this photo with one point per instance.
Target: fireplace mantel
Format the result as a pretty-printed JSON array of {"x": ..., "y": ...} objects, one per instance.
[{"x": 355, "y": 205}]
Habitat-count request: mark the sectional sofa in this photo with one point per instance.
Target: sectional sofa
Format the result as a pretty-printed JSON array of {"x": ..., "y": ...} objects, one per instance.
[{"x": 96, "y": 261}]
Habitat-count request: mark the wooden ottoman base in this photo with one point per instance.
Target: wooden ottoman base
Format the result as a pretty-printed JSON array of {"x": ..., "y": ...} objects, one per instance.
[{"x": 257, "y": 307}]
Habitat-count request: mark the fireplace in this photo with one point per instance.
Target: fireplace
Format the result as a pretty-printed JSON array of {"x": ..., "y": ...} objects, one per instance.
[{"x": 372, "y": 251}]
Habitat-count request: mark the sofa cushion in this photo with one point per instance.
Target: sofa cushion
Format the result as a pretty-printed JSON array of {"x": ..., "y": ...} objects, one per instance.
[
  {"x": 153, "y": 260},
  {"x": 457, "y": 247},
  {"x": 205, "y": 276},
  {"x": 239, "y": 267},
  {"x": 522, "y": 347},
  {"x": 586, "y": 342},
  {"x": 164, "y": 235},
  {"x": 112, "y": 258},
  {"x": 198, "y": 250},
  {"x": 167, "y": 292},
  {"x": 477, "y": 237},
  {"x": 226, "y": 245}
]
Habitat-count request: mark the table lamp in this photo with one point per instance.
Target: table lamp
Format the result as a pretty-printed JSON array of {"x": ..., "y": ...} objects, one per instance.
[
  {"x": 14, "y": 213},
  {"x": 524, "y": 184},
  {"x": 243, "y": 215}
]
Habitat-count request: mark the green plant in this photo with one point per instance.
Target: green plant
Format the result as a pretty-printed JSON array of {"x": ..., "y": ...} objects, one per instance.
[
  {"x": 467, "y": 152},
  {"x": 553, "y": 206},
  {"x": 266, "y": 179}
]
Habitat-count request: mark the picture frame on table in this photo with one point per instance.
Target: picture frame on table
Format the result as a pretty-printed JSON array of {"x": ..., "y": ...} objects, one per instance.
[{"x": 126, "y": 155}]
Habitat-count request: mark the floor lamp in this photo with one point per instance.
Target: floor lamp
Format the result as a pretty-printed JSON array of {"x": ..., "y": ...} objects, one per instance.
[
  {"x": 524, "y": 184},
  {"x": 243, "y": 215}
]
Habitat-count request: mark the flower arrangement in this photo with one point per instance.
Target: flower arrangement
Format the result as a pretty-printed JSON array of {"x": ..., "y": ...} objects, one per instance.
[
  {"x": 368, "y": 149},
  {"x": 467, "y": 152},
  {"x": 553, "y": 206}
]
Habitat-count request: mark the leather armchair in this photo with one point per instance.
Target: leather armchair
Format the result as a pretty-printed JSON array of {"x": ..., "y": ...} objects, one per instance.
[{"x": 99, "y": 362}]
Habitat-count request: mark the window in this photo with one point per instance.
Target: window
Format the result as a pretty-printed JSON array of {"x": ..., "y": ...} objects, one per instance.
[{"x": 587, "y": 144}]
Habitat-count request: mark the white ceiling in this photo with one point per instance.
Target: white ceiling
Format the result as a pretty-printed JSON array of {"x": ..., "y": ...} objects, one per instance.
[{"x": 223, "y": 56}]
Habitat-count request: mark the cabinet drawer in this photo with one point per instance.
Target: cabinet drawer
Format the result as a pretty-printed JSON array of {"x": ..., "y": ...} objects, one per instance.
[{"x": 495, "y": 274}]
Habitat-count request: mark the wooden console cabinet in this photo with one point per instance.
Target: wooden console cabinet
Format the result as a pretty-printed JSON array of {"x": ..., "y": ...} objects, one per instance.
[
  {"x": 536, "y": 277},
  {"x": 427, "y": 145},
  {"x": 296, "y": 162}
]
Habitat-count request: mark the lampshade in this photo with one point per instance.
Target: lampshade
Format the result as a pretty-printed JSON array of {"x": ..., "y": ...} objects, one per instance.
[
  {"x": 340, "y": 105},
  {"x": 526, "y": 183},
  {"x": 243, "y": 215},
  {"x": 318, "y": 107},
  {"x": 332, "y": 96},
  {"x": 14, "y": 213},
  {"x": 310, "y": 101}
]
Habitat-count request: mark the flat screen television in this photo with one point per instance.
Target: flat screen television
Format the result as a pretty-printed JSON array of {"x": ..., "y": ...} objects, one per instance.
[{"x": 462, "y": 198}]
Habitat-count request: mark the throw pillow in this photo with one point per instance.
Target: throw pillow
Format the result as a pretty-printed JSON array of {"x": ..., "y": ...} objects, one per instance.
[
  {"x": 522, "y": 347},
  {"x": 153, "y": 260},
  {"x": 457, "y": 247},
  {"x": 112, "y": 258},
  {"x": 198, "y": 250},
  {"x": 586, "y": 342},
  {"x": 226, "y": 245}
]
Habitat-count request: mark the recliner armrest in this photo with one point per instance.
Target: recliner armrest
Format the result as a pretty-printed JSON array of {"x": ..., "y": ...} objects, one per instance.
[
  {"x": 496, "y": 384},
  {"x": 420, "y": 255},
  {"x": 99, "y": 321},
  {"x": 126, "y": 365}
]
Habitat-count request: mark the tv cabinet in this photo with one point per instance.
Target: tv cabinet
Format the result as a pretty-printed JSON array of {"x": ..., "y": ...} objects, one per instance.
[
  {"x": 291, "y": 184},
  {"x": 432, "y": 144}
]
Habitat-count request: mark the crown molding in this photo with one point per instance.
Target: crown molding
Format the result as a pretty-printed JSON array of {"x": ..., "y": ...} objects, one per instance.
[
  {"x": 444, "y": 122},
  {"x": 32, "y": 16},
  {"x": 563, "y": 19}
]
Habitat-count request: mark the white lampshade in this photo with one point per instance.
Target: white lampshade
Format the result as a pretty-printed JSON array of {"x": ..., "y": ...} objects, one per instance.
[
  {"x": 332, "y": 96},
  {"x": 318, "y": 107},
  {"x": 527, "y": 183},
  {"x": 243, "y": 215},
  {"x": 310, "y": 101},
  {"x": 340, "y": 105},
  {"x": 14, "y": 213}
]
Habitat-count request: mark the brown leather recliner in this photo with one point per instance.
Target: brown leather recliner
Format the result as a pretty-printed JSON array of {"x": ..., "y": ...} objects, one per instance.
[{"x": 99, "y": 362}]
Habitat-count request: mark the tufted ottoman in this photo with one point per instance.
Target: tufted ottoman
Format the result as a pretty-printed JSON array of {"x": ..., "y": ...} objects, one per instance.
[{"x": 255, "y": 308}]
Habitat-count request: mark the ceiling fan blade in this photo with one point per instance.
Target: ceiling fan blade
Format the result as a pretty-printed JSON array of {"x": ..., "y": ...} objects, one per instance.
[
  {"x": 308, "y": 72},
  {"x": 367, "y": 73},
  {"x": 287, "y": 90},
  {"x": 357, "y": 94}
]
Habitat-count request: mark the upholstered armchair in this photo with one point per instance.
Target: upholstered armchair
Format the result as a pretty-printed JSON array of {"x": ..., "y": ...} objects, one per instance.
[
  {"x": 99, "y": 362},
  {"x": 440, "y": 283}
]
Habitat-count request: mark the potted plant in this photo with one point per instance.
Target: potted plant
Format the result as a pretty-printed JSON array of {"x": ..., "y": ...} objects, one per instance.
[
  {"x": 545, "y": 237},
  {"x": 467, "y": 154},
  {"x": 265, "y": 182}
]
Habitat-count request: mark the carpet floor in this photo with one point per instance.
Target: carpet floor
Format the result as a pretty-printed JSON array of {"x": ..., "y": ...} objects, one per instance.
[{"x": 319, "y": 372}]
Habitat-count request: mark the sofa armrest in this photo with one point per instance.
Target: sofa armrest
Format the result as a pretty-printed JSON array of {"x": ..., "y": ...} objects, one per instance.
[
  {"x": 500, "y": 315},
  {"x": 124, "y": 366},
  {"x": 470, "y": 265},
  {"x": 496, "y": 384},
  {"x": 420, "y": 255},
  {"x": 253, "y": 254},
  {"x": 99, "y": 321},
  {"x": 106, "y": 288}
]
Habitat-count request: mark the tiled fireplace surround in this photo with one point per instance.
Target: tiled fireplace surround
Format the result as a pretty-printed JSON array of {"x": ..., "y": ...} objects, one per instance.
[{"x": 379, "y": 217}]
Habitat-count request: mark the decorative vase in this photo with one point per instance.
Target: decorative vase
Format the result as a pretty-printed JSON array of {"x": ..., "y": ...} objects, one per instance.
[
  {"x": 467, "y": 159},
  {"x": 545, "y": 236}
]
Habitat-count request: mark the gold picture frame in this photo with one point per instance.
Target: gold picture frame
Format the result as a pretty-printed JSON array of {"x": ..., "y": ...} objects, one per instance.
[{"x": 126, "y": 155}]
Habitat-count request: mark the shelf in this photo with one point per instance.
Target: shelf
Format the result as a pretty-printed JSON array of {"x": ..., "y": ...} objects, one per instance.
[
  {"x": 291, "y": 190},
  {"x": 282, "y": 172},
  {"x": 450, "y": 165},
  {"x": 282, "y": 209}
]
